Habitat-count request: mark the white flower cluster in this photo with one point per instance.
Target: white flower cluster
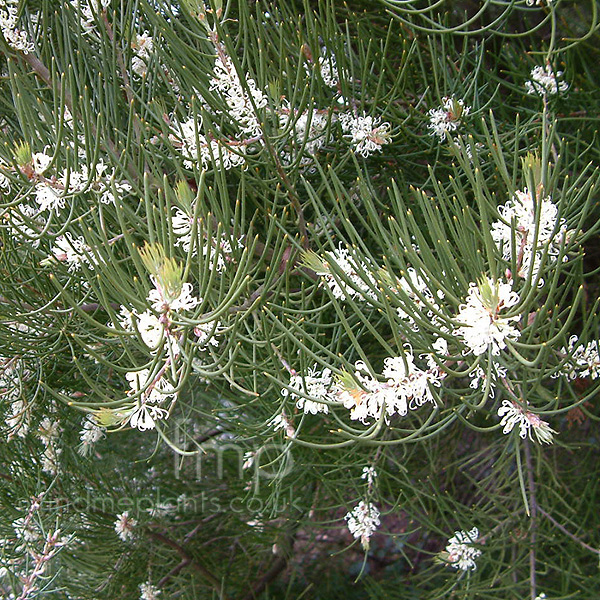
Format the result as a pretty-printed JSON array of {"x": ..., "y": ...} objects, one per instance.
[
  {"x": 142, "y": 49},
  {"x": 243, "y": 101},
  {"x": 16, "y": 38},
  {"x": 447, "y": 117},
  {"x": 151, "y": 390},
  {"x": 363, "y": 520},
  {"x": 4, "y": 180},
  {"x": 151, "y": 328},
  {"x": 521, "y": 218},
  {"x": 420, "y": 298},
  {"x": 147, "y": 324},
  {"x": 407, "y": 387},
  {"x": 483, "y": 325},
  {"x": 13, "y": 372},
  {"x": 26, "y": 530},
  {"x": 584, "y": 360},
  {"x": 89, "y": 10},
  {"x": 358, "y": 272},
  {"x": 308, "y": 132},
  {"x": 365, "y": 132},
  {"x": 200, "y": 148},
  {"x": 329, "y": 71},
  {"x": 545, "y": 81},
  {"x": 318, "y": 384},
  {"x": 460, "y": 553},
  {"x": 515, "y": 415},
  {"x": 207, "y": 333},
  {"x": 149, "y": 591},
  {"x": 327, "y": 67},
  {"x": 91, "y": 434},
  {"x": 49, "y": 433},
  {"x": 218, "y": 253},
  {"x": 124, "y": 526},
  {"x": 74, "y": 252},
  {"x": 18, "y": 417},
  {"x": 164, "y": 301},
  {"x": 51, "y": 193}
]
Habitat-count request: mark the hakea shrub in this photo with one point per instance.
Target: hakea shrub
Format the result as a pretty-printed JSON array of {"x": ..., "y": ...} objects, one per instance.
[{"x": 281, "y": 279}]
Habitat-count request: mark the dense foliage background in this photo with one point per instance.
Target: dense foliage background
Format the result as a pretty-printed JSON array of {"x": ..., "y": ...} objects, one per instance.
[{"x": 299, "y": 299}]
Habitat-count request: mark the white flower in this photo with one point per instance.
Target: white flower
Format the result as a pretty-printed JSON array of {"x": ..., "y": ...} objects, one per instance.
[
  {"x": 207, "y": 333},
  {"x": 513, "y": 414},
  {"x": 41, "y": 161},
  {"x": 151, "y": 329},
  {"x": 545, "y": 81},
  {"x": 4, "y": 182},
  {"x": 124, "y": 526},
  {"x": 25, "y": 224},
  {"x": 358, "y": 272},
  {"x": 363, "y": 520},
  {"x": 242, "y": 104},
  {"x": 48, "y": 434},
  {"x": 407, "y": 388},
  {"x": 329, "y": 71},
  {"x": 154, "y": 391},
  {"x": 18, "y": 418},
  {"x": 521, "y": 217},
  {"x": 204, "y": 150},
  {"x": 144, "y": 416},
  {"x": 110, "y": 189},
  {"x": 307, "y": 132},
  {"x": 26, "y": 529},
  {"x": 74, "y": 252},
  {"x": 369, "y": 473},
  {"x": 316, "y": 384},
  {"x": 447, "y": 117},
  {"x": 584, "y": 361},
  {"x": 460, "y": 553},
  {"x": 16, "y": 38},
  {"x": 479, "y": 377},
  {"x": 484, "y": 327},
  {"x": 365, "y": 133},
  {"x": 163, "y": 302},
  {"x": 89, "y": 435},
  {"x": 217, "y": 252},
  {"x": 280, "y": 421},
  {"x": 48, "y": 431},
  {"x": 161, "y": 510},
  {"x": 149, "y": 591},
  {"x": 88, "y": 9},
  {"x": 142, "y": 48},
  {"x": 48, "y": 196}
]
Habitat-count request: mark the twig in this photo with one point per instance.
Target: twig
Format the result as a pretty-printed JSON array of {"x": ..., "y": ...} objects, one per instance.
[
  {"x": 567, "y": 532},
  {"x": 184, "y": 563},
  {"x": 189, "y": 560}
]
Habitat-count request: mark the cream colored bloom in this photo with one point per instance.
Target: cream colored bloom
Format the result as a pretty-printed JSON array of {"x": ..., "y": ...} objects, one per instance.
[{"x": 484, "y": 327}]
